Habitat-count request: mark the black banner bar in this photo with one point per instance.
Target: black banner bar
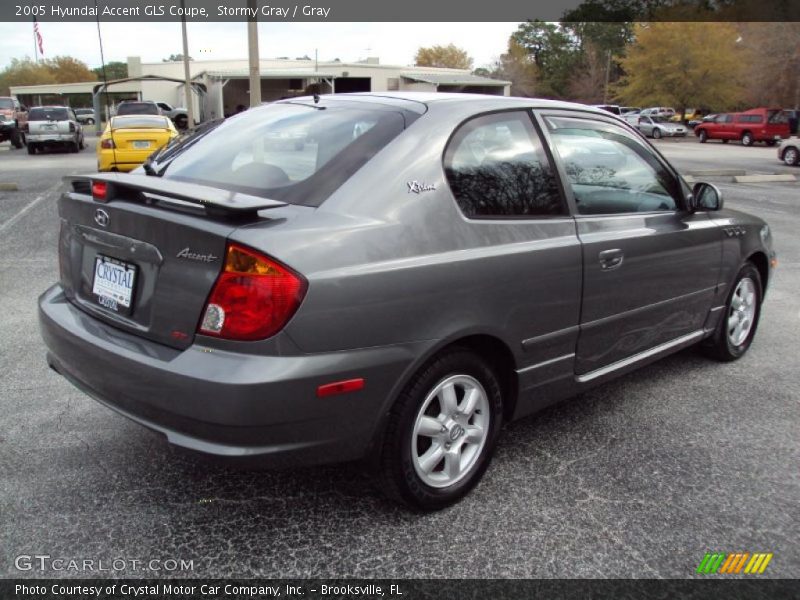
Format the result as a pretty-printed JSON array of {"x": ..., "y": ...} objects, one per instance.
[
  {"x": 406, "y": 11},
  {"x": 398, "y": 589}
]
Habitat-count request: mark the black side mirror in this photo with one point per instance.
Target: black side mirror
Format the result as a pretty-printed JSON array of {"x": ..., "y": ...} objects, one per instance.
[{"x": 705, "y": 196}]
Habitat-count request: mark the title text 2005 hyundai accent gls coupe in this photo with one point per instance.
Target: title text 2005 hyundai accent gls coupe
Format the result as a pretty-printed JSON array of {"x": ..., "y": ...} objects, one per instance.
[{"x": 402, "y": 276}]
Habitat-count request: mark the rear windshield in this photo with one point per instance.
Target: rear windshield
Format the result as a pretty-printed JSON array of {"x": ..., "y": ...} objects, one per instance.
[
  {"x": 777, "y": 116},
  {"x": 295, "y": 153},
  {"x": 137, "y": 108},
  {"x": 48, "y": 114},
  {"x": 139, "y": 122},
  {"x": 6, "y": 103}
]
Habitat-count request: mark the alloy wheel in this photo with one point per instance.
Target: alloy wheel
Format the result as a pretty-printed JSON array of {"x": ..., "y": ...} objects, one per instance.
[
  {"x": 741, "y": 313},
  {"x": 450, "y": 430}
]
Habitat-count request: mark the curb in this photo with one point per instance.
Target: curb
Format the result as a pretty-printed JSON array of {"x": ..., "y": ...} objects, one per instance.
[{"x": 764, "y": 178}]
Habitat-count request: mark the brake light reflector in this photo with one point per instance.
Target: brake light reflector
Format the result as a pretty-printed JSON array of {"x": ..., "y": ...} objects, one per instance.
[
  {"x": 100, "y": 190},
  {"x": 340, "y": 387},
  {"x": 253, "y": 297},
  {"x": 107, "y": 144}
]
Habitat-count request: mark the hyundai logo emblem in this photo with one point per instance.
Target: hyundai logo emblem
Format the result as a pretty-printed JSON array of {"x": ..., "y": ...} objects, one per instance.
[
  {"x": 456, "y": 432},
  {"x": 101, "y": 217}
]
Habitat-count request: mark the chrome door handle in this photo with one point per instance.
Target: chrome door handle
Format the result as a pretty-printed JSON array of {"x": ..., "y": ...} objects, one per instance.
[{"x": 610, "y": 259}]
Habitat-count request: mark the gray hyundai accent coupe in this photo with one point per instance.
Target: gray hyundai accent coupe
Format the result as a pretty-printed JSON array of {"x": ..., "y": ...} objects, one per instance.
[{"x": 404, "y": 275}]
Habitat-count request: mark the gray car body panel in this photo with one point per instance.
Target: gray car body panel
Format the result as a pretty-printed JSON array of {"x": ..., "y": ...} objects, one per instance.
[{"x": 394, "y": 275}]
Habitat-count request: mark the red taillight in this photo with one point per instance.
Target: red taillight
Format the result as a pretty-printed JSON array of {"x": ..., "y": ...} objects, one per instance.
[
  {"x": 107, "y": 144},
  {"x": 253, "y": 297},
  {"x": 100, "y": 190}
]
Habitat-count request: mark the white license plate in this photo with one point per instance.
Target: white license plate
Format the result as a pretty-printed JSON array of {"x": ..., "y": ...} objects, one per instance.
[
  {"x": 141, "y": 145},
  {"x": 113, "y": 283}
]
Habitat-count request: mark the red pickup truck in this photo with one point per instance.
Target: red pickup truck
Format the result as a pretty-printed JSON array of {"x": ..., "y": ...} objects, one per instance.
[{"x": 769, "y": 125}]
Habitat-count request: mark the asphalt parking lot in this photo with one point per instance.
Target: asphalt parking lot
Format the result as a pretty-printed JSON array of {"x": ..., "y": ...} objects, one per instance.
[{"x": 638, "y": 478}]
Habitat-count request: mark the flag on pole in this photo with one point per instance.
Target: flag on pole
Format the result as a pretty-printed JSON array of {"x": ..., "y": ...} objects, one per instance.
[{"x": 38, "y": 36}]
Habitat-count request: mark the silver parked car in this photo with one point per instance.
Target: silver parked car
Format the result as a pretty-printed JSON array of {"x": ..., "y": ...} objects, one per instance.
[
  {"x": 53, "y": 126},
  {"x": 85, "y": 116},
  {"x": 789, "y": 151},
  {"x": 421, "y": 270},
  {"x": 658, "y": 127}
]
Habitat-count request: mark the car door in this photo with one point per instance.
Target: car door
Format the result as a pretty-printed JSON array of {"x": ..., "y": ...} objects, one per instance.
[
  {"x": 503, "y": 181},
  {"x": 650, "y": 265}
]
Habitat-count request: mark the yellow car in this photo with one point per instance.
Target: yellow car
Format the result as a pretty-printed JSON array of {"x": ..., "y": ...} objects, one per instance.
[{"x": 128, "y": 140}]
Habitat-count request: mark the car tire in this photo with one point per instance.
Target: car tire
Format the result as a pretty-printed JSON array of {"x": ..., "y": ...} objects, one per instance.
[
  {"x": 656, "y": 134},
  {"x": 74, "y": 147},
  {"x": 725, "y": 141},
  {"x": 703, "y": 136},
  {"x": 739, "y": 322},
  {"x": 31, "y": 149},
  {"x": 17, "y": 138},
  {"x": 181, "y": 121},
  {"x": 791, "y": 156},
  {"x": 747, "y": 139},
  {"x": 441, "y": 432},
  {"x": 82, "y": 143},
  {"x": 90, "y": 121}
]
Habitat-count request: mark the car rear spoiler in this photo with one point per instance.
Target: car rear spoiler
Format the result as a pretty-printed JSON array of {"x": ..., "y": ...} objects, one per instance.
[{"x": 215, "y": 201}]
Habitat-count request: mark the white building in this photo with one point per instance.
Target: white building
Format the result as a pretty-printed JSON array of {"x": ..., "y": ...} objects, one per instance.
[{"x": 227, "y": 82}]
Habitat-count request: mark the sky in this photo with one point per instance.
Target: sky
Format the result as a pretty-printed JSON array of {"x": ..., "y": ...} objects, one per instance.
[{"x": 393, "y": 43}]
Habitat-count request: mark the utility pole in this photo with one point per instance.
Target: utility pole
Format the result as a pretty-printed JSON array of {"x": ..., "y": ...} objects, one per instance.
[
  {"x": 186, "y": 73},
  {"x": 252, "y": 50},
  {"x": 608, "y": 75}
]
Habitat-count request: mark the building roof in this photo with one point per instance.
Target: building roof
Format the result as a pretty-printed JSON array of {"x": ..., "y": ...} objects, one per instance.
[
  {"x": 84, "y": 87},
  {"x": 268, "y": 74},
  {"x": 452, "y": 79}
]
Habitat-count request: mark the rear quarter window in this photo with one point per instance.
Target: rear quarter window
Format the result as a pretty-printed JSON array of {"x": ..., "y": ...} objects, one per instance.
[{"x": 497, "y": 168}]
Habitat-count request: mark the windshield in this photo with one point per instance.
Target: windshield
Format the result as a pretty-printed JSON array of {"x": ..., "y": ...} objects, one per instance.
[
  {"x": 291, "y": 152},
  {"x": 137, "y": 108},
  {"x": 48, "y": 114},
  {"x": 6, "y": 103},
  {"x": 139, "y": 122}
]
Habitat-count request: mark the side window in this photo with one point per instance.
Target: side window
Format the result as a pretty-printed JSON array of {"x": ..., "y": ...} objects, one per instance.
[
  {"x": 497, "y": 167},
  {"x": 610, "y": 172}
]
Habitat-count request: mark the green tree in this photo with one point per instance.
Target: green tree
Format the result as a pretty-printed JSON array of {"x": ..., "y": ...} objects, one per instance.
[
  {"x": 690, "y": 64},
  {"x": 174, "y": 58},
  {"x": 59, "y": 69},
  {"x": 450, "y": 56},
  {"x": 518, "y": 67},
  {"x": 23, "y": 71},
  {"x": 66, "y": 69},
  {"x": 114, "y": 70},
  {"x": 553, "y": 51}
]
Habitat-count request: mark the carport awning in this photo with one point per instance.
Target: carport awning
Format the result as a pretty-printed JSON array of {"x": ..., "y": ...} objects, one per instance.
[
  {"x": 453, "y": 79},
  {"x": 271, "y": 74}
]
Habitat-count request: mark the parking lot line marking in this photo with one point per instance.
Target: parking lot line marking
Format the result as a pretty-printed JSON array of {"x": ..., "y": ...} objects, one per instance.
[{"x": 26, "y": 209}]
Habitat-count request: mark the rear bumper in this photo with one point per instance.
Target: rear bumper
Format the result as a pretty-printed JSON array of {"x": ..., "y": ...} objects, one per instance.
[
  {"x": 50, "y": 138},
  {"x": 121, "y": 160},
  {"x": 226, "y": 403}
]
